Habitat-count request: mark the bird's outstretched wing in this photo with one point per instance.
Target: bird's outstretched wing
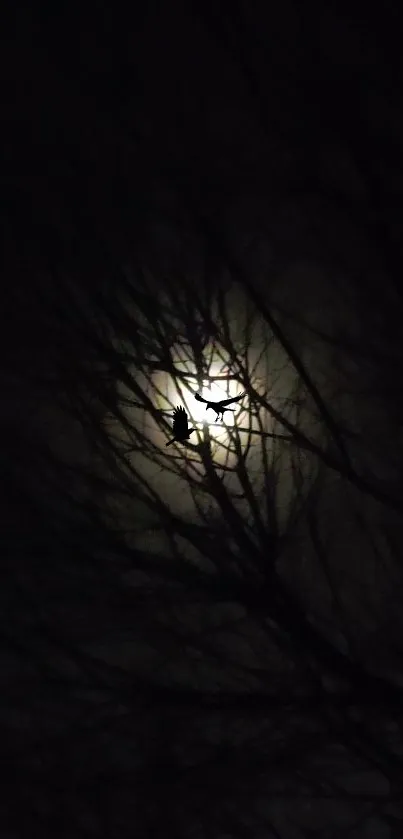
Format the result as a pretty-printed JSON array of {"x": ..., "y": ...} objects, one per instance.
[
  {"x": 229, "y": 401},
  {"x": 220, "y": 402},
  {"x": 180, "y": 424}
]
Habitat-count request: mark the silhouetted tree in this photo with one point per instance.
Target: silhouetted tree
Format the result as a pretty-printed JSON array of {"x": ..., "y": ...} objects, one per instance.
[{"x": 204, "y": 641}]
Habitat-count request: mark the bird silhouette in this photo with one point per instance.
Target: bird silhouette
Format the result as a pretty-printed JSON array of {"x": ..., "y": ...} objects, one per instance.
[
  {"x": 180, "y": 428},
  {"x": 220, "y": 407}
]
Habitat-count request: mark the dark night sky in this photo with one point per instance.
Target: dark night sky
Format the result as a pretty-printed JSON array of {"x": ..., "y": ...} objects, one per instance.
[
  {"x": 285, "y": 104},
  {"x": 283, "y": 126}
]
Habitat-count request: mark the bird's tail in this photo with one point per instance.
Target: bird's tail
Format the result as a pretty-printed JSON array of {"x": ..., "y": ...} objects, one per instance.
[
  {"x": 199, "y": 398},
  {"x": 170, "y": 441}
]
